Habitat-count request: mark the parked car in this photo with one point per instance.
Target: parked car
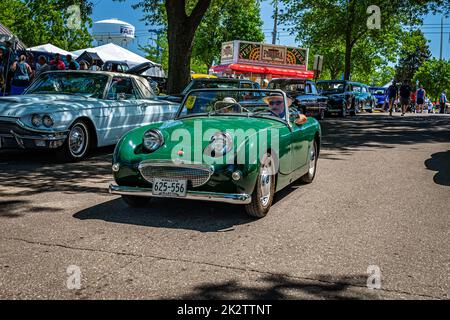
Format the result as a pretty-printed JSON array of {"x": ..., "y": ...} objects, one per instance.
[
  {"x": 224, "y": 145},
  {"x": 115, "y": 66},
  {"x": 74, "y": 111},
  {"x": 304, "y": 95},
  {"x": 346, "y": 97},
  {"x": 363, "y": 97},
  {"x": 380, "y": 94},
  {"x": 212, "y": 83}
]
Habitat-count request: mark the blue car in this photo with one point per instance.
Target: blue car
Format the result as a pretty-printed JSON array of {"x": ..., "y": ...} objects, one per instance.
[{"x": 380, "y": 95}]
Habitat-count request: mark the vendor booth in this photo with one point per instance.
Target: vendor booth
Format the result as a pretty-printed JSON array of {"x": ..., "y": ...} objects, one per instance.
[
  {"x": 113, "y": 52},
  {"x": 259, "y": 61},
  {"x": 50, "y": 48}
]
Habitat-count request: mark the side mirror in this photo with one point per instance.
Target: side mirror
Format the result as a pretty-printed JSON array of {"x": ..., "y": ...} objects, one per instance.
[{"x": 121, "y": 96}]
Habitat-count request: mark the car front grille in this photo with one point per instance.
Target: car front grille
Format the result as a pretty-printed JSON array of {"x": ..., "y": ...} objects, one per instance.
[
  {"x": 196, "y": 175},
  {"x": 7, "y": 125}
]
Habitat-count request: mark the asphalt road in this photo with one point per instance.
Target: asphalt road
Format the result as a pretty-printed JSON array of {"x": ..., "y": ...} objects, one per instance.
[{"x": 381, "y": 197}]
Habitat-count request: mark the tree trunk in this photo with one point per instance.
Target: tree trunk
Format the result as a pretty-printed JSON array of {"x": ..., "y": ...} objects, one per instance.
[
  {"x": 181, "y": 29},
  {"x": 180, "y": 52},
  {"x": 348, "y": 39}
]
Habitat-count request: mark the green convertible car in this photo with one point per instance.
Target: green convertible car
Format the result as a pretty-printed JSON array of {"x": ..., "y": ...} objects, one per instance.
[{"x": 224, "y": 145}]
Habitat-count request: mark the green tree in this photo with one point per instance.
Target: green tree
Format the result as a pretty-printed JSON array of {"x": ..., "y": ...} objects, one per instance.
[
  {"x": 182, "y": 19},
  {"x": 196, "y": 29},
  {"x": 413, "y": 54},
  {"x": 324, "y": 23},
  {"x": 434, "y": 75},
  {"x": 37, "y": 22},
  {"x": 227, "y": 20}
]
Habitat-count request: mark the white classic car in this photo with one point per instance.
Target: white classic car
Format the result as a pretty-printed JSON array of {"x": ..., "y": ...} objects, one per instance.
[{"x": 75, "y": 111}]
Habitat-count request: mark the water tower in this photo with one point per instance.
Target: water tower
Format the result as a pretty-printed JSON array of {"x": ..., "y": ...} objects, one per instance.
[{"x": 113, "y": 31}]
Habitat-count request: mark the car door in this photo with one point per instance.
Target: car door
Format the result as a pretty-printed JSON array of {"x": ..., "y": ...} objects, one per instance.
[
  {"x": 320, "y": 100},
  {"x": 299, "y": 145},
  {"x": 122, "y": 111},
  {"x": 150, "y": 108}
]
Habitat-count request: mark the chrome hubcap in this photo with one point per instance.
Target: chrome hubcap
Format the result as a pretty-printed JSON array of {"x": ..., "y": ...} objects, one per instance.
[
  {"x": 266, "y": 181},
  {"x": 77, "y": 140},
  {"x": 312, "y": 160}
]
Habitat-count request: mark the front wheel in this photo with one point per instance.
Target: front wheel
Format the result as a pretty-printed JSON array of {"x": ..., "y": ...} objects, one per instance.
[
  {"x": 262, "y": 196},
  {"x": 136, "y": 202},
  {"x": 77, "y": 145},
  {"x": 313, "y": 157}
]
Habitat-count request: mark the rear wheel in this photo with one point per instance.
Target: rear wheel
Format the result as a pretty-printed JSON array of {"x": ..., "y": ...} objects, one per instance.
[
  {"x": 313, "y": 157},
  {"x": 262, "y": 196},
  {"x": 136, "y": 202}
]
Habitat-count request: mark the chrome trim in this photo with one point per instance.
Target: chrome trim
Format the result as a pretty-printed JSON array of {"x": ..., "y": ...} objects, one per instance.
[
  {"x": 57, "y": 136},
  {"x": 230, "y": 198},
  {"x": 163, "y": 163}
]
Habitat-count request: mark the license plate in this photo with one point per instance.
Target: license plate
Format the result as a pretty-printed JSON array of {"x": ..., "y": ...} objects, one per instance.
[{"x": 169, "y": 187}]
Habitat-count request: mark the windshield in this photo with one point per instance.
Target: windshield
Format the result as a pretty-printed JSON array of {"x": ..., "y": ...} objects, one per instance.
[
  {"x": 250, "y": 103},
  {"x": 210, "y": 84},
  {"x": 85, "y": 84},
  {"x": 378, "y": 92},
  {"x": 331, "y": 87},
  {"x": 288, "y": 85}
]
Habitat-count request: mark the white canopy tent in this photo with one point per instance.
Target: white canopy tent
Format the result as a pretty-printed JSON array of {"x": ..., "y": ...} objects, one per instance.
[
  {"x": 113, "y": 52},
  {"x": 52, "y": 49}
]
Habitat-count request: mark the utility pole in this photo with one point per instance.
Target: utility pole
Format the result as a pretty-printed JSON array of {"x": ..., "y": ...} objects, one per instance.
[
  {"x": 442, "y": 37},
  {"x": 275, "y": 23}
]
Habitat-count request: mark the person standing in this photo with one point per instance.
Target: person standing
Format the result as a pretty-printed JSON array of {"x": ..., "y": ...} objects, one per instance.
[
  {"x": 57, "y": 63},
  {"x": 71, "y": 64},
  {"x": 21, "y": 75},
  {"x": 84, "y": 65},
  {"x": 42, "y": 65},
  {"x": 420, "y": 97},
  {"x": 443, "y": 102},
  {"x": 405, "y": 95},
  {"x": 392, "y": 94}
]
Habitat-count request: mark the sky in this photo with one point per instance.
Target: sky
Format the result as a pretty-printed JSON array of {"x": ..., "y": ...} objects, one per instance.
[{"x": 106, "y": 9}]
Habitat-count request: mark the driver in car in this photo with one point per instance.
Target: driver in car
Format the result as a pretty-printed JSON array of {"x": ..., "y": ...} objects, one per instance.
[{"x": 276, "y": 104}]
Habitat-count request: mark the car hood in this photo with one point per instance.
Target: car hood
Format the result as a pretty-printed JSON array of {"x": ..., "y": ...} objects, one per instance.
[
  {"x": 180, "y": 133},
  {"x": 17, "y": 106}
]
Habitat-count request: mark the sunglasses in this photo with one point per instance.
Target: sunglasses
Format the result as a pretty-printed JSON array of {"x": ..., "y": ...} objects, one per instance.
[{"x": 276, "y": 103}]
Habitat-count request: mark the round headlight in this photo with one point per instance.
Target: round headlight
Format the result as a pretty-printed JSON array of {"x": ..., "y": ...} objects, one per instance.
[
  {"x": 221, "y": 143},
  {"x": 36, "y": 120},
  {"x": 47, "y": 121},
  {"x": 153, "y": 139}
]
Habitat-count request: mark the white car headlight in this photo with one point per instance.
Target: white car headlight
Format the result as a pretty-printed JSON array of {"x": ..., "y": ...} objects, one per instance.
[
  {"x": 47, "y": 121},
  {"x": 36, "y": 120},
  {"x": 152, "y": 140},
  {"x": 221, "y": 143}
]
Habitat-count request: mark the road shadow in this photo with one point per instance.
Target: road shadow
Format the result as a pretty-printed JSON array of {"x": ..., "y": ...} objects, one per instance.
[
  {"x": 382, "y": 132},
  {"x": 19, "y": 208},
  {"x": 440, "y": 162},
  {"x": 28, "y": 173},
  {"x": 281, "y": 287},
  {"x": 172, "y": 214}
]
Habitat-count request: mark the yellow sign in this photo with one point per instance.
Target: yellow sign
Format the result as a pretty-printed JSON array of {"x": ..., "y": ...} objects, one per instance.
[{"x": 190, "y": 102}]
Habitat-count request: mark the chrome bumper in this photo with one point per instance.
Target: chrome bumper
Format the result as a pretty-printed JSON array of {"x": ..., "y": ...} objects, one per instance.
[
  {"x": 49, "y": 140},
  {"x": 191, "y": 195}
]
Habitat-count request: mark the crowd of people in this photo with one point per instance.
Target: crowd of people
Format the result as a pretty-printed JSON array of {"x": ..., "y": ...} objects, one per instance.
[
  {"x": 17, "y": 71},
  {"x": 414, "y": 100}
]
